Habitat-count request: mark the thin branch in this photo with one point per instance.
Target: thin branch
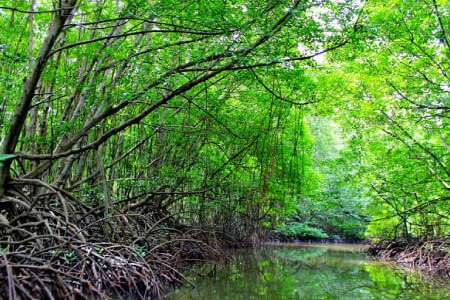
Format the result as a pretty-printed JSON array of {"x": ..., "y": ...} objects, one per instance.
[
  {"x": 15, "y": 9},
  {"x": 131, "y": 34},
  {"x": 278, "y": 96},
  {"x": 271, "y": 63},
  {"x": 444, "y": 33}
]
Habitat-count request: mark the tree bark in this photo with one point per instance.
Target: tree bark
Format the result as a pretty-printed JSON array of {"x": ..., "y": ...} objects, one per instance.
[{"x": 28, "y": 92}]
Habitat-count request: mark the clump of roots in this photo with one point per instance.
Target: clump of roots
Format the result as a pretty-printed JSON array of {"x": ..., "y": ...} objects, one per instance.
[
  {"x": 432, "y": 256},
  {"x": 56, "y": 247}
]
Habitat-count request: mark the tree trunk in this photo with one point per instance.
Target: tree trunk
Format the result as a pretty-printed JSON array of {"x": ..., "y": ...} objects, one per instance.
[{"x": 28, "y": 92}]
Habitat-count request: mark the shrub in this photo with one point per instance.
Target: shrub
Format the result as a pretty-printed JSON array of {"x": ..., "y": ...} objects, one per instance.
[{"x": 293, "y": 229}]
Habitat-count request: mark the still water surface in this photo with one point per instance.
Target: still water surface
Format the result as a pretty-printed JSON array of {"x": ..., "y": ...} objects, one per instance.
[{"x": 312, "y": 271}]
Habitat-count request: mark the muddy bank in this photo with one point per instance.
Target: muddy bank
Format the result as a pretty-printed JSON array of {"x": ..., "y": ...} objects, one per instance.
[{"x": 432, "y": 257}]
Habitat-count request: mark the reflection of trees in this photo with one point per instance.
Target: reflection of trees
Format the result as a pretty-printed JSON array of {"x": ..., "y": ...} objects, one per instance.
[
  {"x": 301, "y": 273},
  {"x": 299, "y": 258},
  {"x": 400, "y": 284}
]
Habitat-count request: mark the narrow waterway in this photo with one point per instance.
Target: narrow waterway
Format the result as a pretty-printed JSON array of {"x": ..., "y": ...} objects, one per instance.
[{"x": 311, "y": 271}]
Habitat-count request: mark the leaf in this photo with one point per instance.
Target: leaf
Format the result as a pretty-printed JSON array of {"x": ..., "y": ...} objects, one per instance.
[{"x": 5, "y": 157}]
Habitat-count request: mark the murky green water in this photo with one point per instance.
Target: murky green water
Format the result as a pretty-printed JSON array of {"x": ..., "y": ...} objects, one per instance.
[{"x": 299, "y": 271}]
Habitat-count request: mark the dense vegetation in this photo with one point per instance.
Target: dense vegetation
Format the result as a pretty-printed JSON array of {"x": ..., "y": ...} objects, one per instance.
[{"x": 141, "y": 132}]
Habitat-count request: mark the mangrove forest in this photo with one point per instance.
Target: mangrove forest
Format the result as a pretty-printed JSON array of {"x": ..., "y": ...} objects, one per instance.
[{"x": 142, "y": 140}]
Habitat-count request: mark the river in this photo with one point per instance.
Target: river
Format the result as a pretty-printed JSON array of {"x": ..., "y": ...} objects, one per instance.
[{"x": 311, "y": 271}]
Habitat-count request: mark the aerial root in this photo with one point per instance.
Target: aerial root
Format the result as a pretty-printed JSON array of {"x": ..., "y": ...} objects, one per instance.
[
  {"x": 431, "y": 256},
  {"x": 66, "y": 251}
]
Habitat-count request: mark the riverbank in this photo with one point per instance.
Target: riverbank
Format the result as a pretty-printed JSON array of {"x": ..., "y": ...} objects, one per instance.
[
  {"x": 432, "y": 257},
  {"x": 105, "y": 269},
  {"x": 282, "y": 239},
  {"x": 275, "y": 237},
  {"x": 102, "y": 267}
]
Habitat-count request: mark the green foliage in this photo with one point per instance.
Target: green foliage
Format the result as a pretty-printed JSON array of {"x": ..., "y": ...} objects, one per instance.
[
  {"x": 394, "y": 112},
  {"x": 358, "y": 133},
  {"x": 296, "y": 229},
  {"x": 141, "y": 250}
]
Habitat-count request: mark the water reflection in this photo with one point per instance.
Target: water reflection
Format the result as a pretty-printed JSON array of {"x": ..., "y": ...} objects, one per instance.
[{"x": 280, "y": 272}]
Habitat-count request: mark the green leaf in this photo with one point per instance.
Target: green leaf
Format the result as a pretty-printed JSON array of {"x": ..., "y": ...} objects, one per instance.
[{"x": 5, "y": 157}]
